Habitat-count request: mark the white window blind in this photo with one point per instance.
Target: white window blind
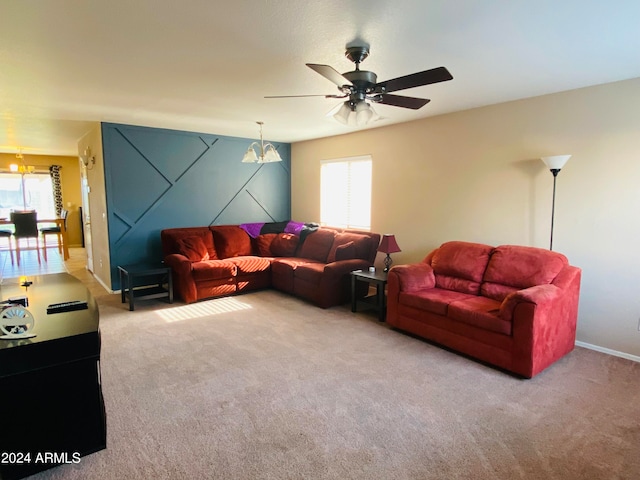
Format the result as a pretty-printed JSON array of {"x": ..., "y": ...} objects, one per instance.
[{"x": 345, "y": 192}]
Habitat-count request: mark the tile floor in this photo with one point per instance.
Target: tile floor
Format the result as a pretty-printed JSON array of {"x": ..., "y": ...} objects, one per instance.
[{"x": 29, "y": 263}]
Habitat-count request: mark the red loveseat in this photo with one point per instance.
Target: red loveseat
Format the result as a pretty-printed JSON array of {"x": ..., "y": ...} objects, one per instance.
[
  {"x": 514, "y": 307},
  {"x": 221, "y": 260}
]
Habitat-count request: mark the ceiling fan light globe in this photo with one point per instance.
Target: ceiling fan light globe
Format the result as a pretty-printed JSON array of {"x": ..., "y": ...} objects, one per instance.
[
  {"x": 364, "y": 113},
  {"x": 343, "y": 114}
]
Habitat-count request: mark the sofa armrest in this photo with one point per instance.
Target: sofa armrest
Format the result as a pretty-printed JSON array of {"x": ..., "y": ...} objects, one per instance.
[
  {"x": 179, "y": 263},
  {"x": 413, "y": 277},
  {"x": 183, "y": 284},
  {"x": 539, "y": 295},
  {"x": 544, "y": 320},
  {"x": 406, "y": 278}
]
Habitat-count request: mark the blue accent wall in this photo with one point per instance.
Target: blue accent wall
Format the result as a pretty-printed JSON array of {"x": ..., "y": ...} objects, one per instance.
[{"x": 157, "y": 179}]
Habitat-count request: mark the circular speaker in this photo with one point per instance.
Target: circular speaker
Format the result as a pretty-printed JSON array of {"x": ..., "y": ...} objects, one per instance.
[{"x": 16, "y": 322}]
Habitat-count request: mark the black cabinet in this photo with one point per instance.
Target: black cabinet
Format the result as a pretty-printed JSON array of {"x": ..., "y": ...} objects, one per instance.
[{"x": 51, "y": 401}]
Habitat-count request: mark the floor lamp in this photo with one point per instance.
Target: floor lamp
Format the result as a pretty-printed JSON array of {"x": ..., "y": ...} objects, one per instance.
[{"x": 554, "y": 164}]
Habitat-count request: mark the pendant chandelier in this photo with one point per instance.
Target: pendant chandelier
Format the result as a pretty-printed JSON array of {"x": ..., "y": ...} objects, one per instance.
[
  {"x": 268, "y": 152},
  {"x": 21, "y": 167}
]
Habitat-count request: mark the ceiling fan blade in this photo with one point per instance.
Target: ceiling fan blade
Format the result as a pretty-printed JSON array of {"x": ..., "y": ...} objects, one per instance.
[
  {"x": 329, "y": 73},
  {"x": 402, "y": 101},
  {"x": 298, "y": 96},
  {"x": 435, "y": 75}
]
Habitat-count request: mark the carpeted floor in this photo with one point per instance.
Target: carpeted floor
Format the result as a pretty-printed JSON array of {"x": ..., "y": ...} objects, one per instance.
[{"x": 265, "y": 386}]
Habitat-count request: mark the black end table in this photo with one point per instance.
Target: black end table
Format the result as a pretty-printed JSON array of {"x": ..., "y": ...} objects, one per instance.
[
  {"x": 145, "y": 281},
  {"x": 377, "y": 301}
]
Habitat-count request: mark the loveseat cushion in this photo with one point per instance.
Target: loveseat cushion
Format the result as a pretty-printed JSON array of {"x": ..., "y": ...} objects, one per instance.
[
  {"x": 515, "y": 267},
  {"x": 317, "y": 245},
  {"x": 481, "y": 312},
  {"x": 361, "y": 246},
  {"x": 434, "y": 300},
  {"x": 460, "y": 266},
  {"x": 231, "y": 241},
  {"x": 284, "y": 245},
  {"x": 213, "y": 270},
  {"x": 193, "y": 248}
]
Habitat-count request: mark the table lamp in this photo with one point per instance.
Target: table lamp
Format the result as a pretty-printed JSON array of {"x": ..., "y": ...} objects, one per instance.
[{"x": 388, "y": 245}]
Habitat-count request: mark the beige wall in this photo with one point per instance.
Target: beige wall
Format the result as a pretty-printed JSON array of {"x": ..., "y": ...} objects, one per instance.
[
  {"x": 97, "y": 206},
  {"x": 70, "y": 178},
  {"x": 476, "y": 176}
]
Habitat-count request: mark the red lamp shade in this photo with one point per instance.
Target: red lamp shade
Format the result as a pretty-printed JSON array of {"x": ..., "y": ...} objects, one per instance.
[{"x": 388, "y": 244}]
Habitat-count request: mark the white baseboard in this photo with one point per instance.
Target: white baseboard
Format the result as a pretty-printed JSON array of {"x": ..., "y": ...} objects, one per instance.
[
  {"x": 608, "y": 351},
  {"x": 107, "y": 288}
]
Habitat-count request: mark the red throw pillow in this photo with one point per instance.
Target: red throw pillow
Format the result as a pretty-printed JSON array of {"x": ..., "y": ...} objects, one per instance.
[
  {"x": 263, "y": 244},
  {"x": 284, "y": 245},
  {"x": 193, "y": 248},
  {"x": 346, "y": 251}
]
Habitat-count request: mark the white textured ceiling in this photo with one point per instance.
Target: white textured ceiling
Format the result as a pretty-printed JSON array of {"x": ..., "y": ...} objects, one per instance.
[{"x": 205, "y": 65}]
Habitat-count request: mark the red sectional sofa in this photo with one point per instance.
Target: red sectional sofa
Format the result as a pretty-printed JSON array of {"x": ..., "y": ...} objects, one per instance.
[
  {"x": 224, "y": 259},
  {"x": 511, "y": 306}
]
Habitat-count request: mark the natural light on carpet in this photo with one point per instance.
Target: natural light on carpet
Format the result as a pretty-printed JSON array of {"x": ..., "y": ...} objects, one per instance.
[{"x": 203, "y": 309}]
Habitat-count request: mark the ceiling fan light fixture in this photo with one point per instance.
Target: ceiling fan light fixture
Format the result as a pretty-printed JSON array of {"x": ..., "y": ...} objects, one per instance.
[{"x": 344, "y": 113}]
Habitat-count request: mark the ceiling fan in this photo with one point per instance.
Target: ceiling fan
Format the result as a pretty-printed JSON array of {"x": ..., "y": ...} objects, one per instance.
[{"x": 358, "y": 86}]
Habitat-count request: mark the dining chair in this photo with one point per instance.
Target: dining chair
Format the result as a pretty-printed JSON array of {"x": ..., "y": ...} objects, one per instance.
[
  {"x": 26, "y": 227},
  {"x": 54, "y": 231},
  {"x": 8, "y": 234}
]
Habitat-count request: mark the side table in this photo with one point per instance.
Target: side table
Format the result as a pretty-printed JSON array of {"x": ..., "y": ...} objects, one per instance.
[
  {"x": 377, "y": 301},
  {"x": 143, "y": 281}
]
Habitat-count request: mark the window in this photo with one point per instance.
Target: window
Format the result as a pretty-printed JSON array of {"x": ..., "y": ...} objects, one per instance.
[
  {"x": 345, "y": 192},
  {"x": 38, "y": 194}
]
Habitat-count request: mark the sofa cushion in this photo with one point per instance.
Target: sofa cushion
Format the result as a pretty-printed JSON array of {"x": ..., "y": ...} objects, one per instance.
[
  {"x": 514, "y": 267},
  {"x": 311, "y": 272},
  {"x": 361, "y": 244},
  {"x": 213, "y": 270},
  {"x": 250, "y": 264},
  {"x": 282, "y": 271},
  {"x": 460, "y": 266},
  {"x": 262, "y": 244},
  {"x": 434, "y": 300},
  {"x": 231, "y": 241},
  {"x": 193, "y": 248},
  {"x": 171, "y": 236},
  {"x": 317, "y": 245},
  {"x": 481, "y": 312},
  {"x": 345, "y": 252},
  {"x": 284, "y": 245}
]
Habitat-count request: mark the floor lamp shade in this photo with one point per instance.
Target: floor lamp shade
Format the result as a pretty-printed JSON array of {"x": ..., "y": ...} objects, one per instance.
[{"x": 554, "y": 164}]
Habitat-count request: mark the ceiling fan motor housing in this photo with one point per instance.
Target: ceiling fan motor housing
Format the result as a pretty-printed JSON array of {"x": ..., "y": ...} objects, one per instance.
[{"x": 363, "y": 84}]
